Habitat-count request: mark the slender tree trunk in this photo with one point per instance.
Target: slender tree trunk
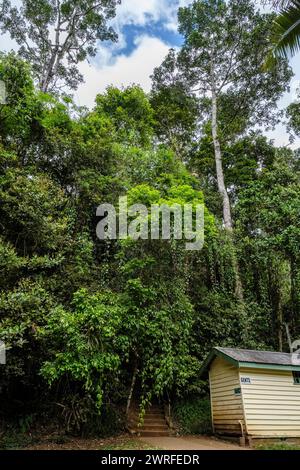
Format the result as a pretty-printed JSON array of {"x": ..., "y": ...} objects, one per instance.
[
  {"x": 134, "y": 376},
  {"x": 45, "y": 82},
  {"x": 48, "y": 75},
  {"x": 289, "y": 338},
  {"x": 219, "y": 165},
  {"x": 221, "y": 183},
  {"x": 239, "y": 291},
  {"x": 295, "y": 277},
  {"x": 280, "y": 327}
]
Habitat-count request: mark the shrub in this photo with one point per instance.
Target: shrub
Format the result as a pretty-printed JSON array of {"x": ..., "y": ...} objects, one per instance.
[{"x": 193, "y": 415}]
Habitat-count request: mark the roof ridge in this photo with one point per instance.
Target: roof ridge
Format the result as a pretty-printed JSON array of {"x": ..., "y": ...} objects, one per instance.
[
  {"x": 252, "y": 350},
  {"x": 252, "y": 358}
]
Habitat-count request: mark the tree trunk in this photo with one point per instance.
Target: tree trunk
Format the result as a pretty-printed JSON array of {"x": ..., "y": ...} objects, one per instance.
[
  {"x": 295, "y": 277},
  {"x": 135, "y": 372},
  {"x": 280, "y": 327},
  {"x": 219, "y": 165},
  {"x": 48, "y": 75},
  {"x": 239, "y": 292},
  {"x": 45, "y": 82},
  {"x": 227, "y": 219},
  {"x": 289, "y": 338}
]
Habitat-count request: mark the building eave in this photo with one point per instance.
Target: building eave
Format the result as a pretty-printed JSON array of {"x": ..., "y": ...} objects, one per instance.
[{"x": 215, "y": 352}]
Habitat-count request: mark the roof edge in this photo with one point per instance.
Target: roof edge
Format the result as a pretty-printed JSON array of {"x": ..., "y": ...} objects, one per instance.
[
  {"x": 258, "y": 365},
  {"x": 215, "y": 352}
]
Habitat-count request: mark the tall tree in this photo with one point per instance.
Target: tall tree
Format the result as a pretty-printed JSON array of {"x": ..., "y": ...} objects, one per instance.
[
  {"x": 55, "y": 35},
  {"x": 224, "y": 49}
]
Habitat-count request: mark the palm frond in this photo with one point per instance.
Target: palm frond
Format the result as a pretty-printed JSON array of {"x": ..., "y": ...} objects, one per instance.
[
  {"x": 287, "y": 30},
  {"x": 281, "y": 3}
]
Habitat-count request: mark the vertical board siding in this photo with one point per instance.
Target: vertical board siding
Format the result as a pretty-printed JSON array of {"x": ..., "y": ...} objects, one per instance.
[
  {"x": 271, "y": 403},
  {"x": 227, "y": 407}
]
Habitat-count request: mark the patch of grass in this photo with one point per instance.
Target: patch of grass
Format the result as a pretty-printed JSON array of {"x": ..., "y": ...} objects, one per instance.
[{"x": 279, "y": 446}]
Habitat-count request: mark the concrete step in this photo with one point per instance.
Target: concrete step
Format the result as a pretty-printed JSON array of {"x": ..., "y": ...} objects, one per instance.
[
  {"x": 151, "y": 422},
  {"x": 151, "y": 411},
  {"x": 154, "y": 411},
  {"x": 155, "y": 427},
  {"x": 152, "y": 416},
  {"x": 154, "y": 433},
  {"x": 154, "y": 424}
]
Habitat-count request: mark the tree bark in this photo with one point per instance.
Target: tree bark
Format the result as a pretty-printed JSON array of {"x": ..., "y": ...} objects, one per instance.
[
  {"x": 135, "y": 372},
  {"x": 239, "y": 293},
  {"x": 227, "y": 219},
  {"x": 280, "y": 327},
  {"x": 219, "y": 165},
  {"x": 54, "y": 60},
  {"x": 295, "y": 276},
  {"x": 289, "y": 338}
]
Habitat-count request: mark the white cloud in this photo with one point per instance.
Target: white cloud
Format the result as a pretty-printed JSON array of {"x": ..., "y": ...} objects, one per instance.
[
  {"x": 280, "y": 135},
  {"x": 144, "y": 12},
  {"x": 140, "y": 12},
  {"x": 135, "y": 68},
  {"x": 111, "y": 68},
  {"x": 172, "y": 22},
  {"x": 7, "y": 44}
]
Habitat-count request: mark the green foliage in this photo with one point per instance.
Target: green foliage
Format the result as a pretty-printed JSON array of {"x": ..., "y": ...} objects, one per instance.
[
  {"x": 279, "y": 446},
  {"x": 268, "y": 214},
  {"x": 286, "y": 35},
  {"x": 81, "y": 317},
  {"x": 244, "y": 98},
  {"x": 23, "y": 310},
  {"x": 32, "y": 206},
  {"x": 13, "y": 440},
  {"x": 176, "y": 115},
  {"x": 54, "y": 57},
  {"x": 272, "y": 204},
  {"x": 130, "y": 112},
  {"x": 294, "y": 116},
  {"x": 17, "y": 115},
  {"x": 88, "y": 343},
  {"x": 193, "y": 415}
]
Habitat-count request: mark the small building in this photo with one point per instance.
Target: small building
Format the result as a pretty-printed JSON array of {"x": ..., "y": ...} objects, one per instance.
[{"x": 254, "y": 394}]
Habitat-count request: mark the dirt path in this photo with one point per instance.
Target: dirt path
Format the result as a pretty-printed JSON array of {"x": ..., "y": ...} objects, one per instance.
[
  {"x": 189, "y": 443},
  {"x": 126, "y": 442}
]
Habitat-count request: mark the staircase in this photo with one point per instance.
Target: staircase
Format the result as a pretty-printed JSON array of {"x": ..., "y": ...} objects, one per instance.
[{"x": 155, "y": 424}]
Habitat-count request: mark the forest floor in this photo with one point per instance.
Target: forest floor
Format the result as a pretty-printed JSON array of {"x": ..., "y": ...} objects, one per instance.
[
  {"x": 190, "y": 443},
  {"x": 56, "y": 441},
  {"x": 126, "y": 442}
]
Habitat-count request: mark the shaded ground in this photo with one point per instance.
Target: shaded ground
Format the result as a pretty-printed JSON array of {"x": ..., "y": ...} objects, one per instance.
[
  {"x": 189, "y": 443},
  {"x": 57, "y": 441},
  {"x": 123, "y": 442},
  {"x": 126, "y": 442}
]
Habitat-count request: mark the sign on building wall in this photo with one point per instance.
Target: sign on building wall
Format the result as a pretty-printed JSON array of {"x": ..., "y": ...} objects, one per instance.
[{"x": 246, "y": 380}]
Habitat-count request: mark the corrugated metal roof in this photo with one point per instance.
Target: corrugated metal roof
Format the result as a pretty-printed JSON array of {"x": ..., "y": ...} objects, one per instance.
[
  {"x": 259, "y": 357},
  {"x": 256, "y": 359}
]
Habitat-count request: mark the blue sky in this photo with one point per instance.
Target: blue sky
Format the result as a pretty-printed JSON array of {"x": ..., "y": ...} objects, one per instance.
[{"x": 147, "y": 29}]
